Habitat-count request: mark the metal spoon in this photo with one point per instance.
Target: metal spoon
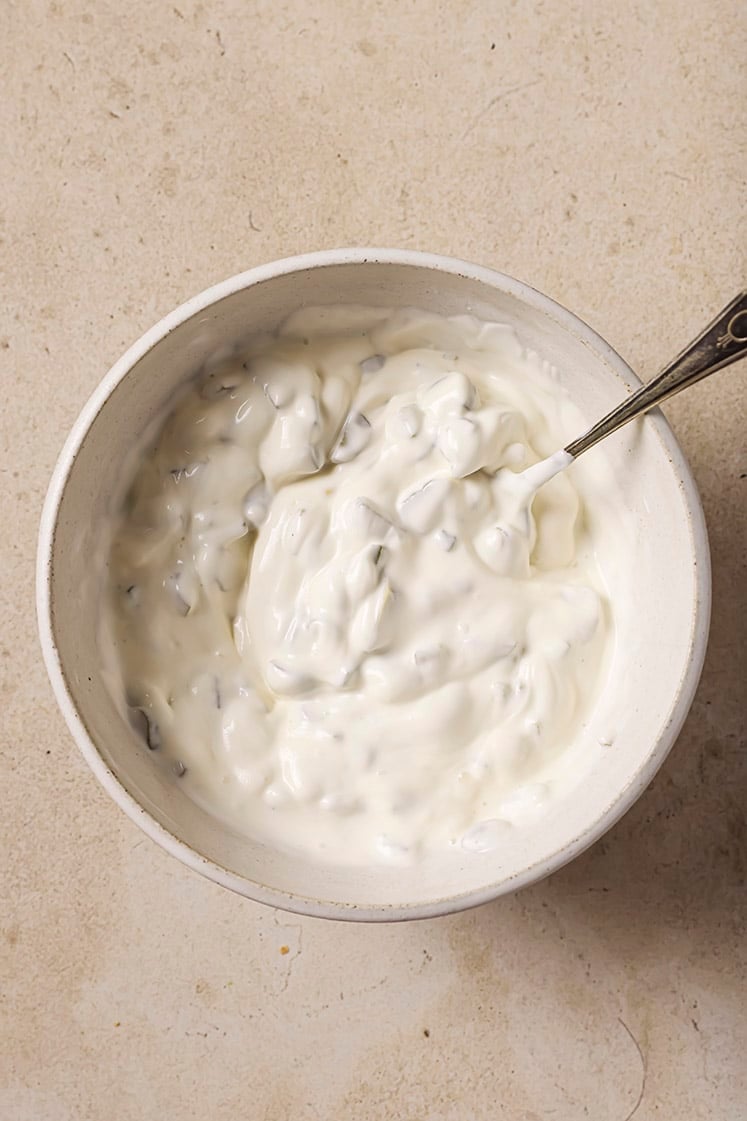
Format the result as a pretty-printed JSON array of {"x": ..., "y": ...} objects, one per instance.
[{"x": 722, "y": 342}]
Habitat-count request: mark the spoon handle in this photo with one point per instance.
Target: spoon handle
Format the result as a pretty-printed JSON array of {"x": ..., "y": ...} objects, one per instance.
[{"x": 723, "y": 341}]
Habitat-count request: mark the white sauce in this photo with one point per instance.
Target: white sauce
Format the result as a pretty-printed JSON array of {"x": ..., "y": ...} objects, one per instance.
[{"x": 338, "y": 609}]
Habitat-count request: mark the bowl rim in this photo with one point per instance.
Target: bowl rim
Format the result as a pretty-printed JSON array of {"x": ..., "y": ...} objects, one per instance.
[{"x": 252, "y": 889}]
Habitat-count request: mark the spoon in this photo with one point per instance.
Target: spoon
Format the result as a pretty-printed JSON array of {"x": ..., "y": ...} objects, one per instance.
[{"x": 722, "y": 342}]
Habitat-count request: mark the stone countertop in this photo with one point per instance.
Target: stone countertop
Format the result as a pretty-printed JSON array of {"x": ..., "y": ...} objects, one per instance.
[{"x": 595, "y": 151}]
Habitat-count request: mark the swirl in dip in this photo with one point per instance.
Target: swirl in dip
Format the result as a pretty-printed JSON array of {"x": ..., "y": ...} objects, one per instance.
[{"x": 330, "y": 607}]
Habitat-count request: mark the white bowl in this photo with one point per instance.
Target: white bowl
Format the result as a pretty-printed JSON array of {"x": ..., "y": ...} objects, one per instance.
[{"x": 659, "y": 648}]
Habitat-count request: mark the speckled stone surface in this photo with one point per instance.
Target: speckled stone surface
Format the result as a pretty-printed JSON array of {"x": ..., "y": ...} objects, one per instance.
[{"x": 595, "y": 151}]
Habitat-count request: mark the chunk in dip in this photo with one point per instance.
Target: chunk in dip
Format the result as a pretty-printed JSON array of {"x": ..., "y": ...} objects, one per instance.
[{"x": 328, "y": 613}]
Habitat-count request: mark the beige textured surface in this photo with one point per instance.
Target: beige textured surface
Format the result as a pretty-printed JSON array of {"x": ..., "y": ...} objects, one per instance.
[{"x": 594, "y": 150}]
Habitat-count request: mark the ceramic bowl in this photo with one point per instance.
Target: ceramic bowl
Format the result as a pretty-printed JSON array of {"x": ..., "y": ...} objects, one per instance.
[{"x": 659, "y": 641}]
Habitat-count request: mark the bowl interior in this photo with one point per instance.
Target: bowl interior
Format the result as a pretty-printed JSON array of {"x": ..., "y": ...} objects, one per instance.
[{"x": 659, "y": 642}]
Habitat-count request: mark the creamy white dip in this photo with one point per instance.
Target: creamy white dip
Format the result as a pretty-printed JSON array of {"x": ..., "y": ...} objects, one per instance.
[{"x": 337, "y": 607}]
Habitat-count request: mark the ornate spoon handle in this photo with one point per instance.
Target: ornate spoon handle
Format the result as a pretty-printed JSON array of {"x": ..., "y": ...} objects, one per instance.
[{"x": 722, "y": 342}]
